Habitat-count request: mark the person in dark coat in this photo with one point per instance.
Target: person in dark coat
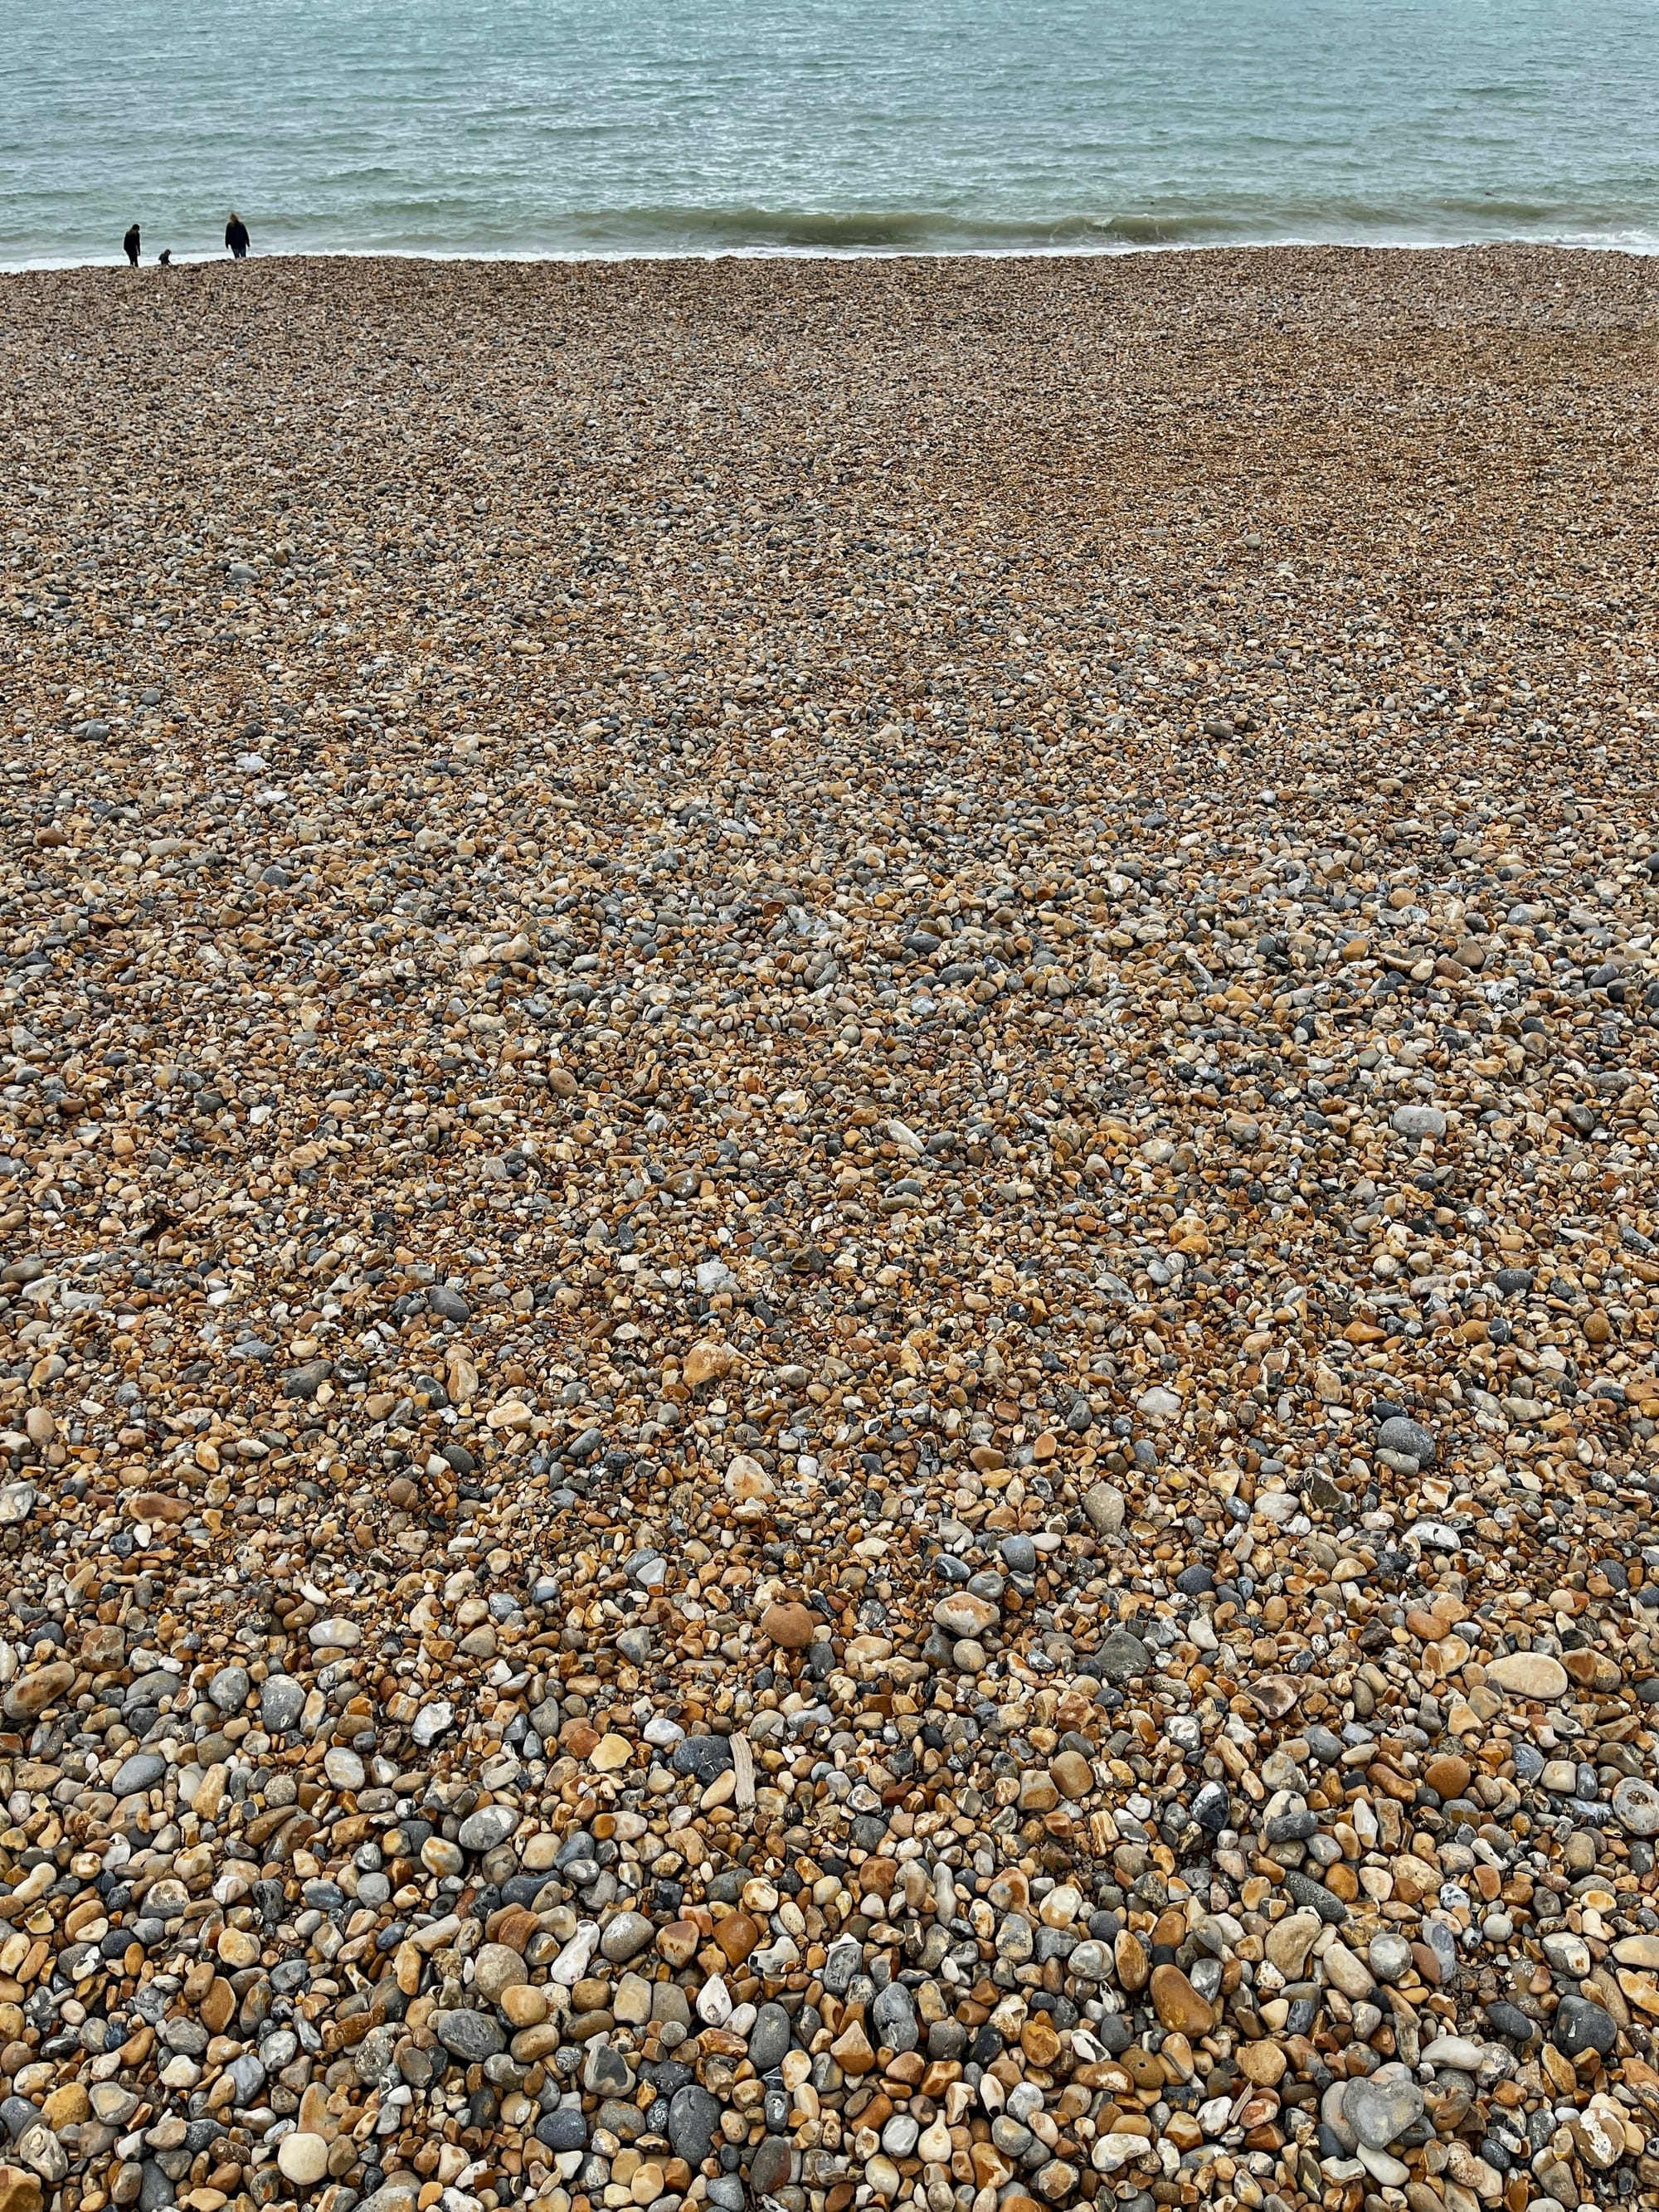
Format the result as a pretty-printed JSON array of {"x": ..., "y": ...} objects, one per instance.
[
  {"x": 129, "y": 246},
  {"x": 236, "y": 236}
]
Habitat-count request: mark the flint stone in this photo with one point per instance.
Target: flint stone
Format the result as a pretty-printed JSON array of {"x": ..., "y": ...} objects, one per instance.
[
  {"x": 703, "y": 1757},
  {"x": 1103, "y": 1507},
  {"x": 770, "y": 2037},
  {"x": 625, "y": 1936},
  {"x": 282, "y": 1701},
  {"x": 143, "y": 1771},
  {"x": 469, "y": 2035},
  {"x": 1379, "y": 2109},
  {"x": 893, "y": 2015},
  {"x": 1120, "y": 1657},
  {"x": 693, "y": 2117},
  {"x": 490, "y": 1825},
  {"x": 1408, "y": 1437},
  {"x": 230, "y": 1689},
  {"x": 1419, "y": 1121},
  {"x": 1580, "y": 2025}
]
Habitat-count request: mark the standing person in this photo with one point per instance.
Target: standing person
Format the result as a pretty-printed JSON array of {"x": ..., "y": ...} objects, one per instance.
[
  {"x": 236, "y": 236},
  {"x": 129, "y": 246}
]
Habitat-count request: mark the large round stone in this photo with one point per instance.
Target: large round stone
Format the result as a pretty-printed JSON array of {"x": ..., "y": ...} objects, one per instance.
[{"x": 303, "y": 2159}]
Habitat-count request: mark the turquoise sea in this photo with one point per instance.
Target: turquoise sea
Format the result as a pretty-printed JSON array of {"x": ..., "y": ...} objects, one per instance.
[{"x": 591, "y": 127}]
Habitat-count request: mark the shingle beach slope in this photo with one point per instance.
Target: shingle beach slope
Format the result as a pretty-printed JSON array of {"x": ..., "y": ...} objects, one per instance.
[{"x": 829, "y": 1143}]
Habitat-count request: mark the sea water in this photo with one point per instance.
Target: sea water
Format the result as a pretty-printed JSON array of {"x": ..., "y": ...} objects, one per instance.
[{"x": 588, "y": 126}]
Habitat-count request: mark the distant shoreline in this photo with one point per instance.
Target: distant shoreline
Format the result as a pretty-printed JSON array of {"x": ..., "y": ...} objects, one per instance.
[{"x": 1129, "y": 250}]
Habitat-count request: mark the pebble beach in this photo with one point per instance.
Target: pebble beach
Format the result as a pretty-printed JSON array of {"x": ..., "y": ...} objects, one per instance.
[{"x": 828, "y": 1244}]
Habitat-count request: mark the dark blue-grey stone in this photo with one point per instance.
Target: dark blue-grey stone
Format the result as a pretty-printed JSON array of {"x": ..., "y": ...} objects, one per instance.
[
  {"x": 1120, "y": 1657},
  {"x": 145, "y": 1692},
  {"x": 693, "y": 2117},
  {"x": 666, "y": 2075},
  {"x": 1514, "y": 1282},
  {"x": 1581, "y": 2025},
  {"x": 229, "y": 1689},
  {"x": 1317, "y": 1899},
  {"x": 565, "y": 2129},
  {"x": 282, "y": 1701},
  {"x": 306, "y": 1382},
  {"x": 1211, "y": 1809},
  {"x": 846, "y": 1957},
  {"x": 1291, "y": 1827},
  {"x": 703, "y": 1757},
  {"x": 769, "y": 2037},
  {"x": 154, "y": 2189},
  {"x": 1510, "y": 2022},
  {"x": 448, "y": 1305},
  {"x": 1195, "y": 1581},
  {"x": 1407, "y": 1437},
  {"x": 893, "y": 2015},
  {"x": 143, "y": 1771}
]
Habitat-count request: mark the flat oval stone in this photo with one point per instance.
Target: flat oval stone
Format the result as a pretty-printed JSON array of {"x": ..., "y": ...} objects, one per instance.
[
  {"x": 769, "y": 2037},
  {"x": 143, "y": 1771},
  {"x": 693, "y": 2117},
  {"x": 469, "y": 2035},
  {"x": 230, "y": 1688},
  {"x": 1529, "y": 1674},
  {"x": 30, "y": 1695}
]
